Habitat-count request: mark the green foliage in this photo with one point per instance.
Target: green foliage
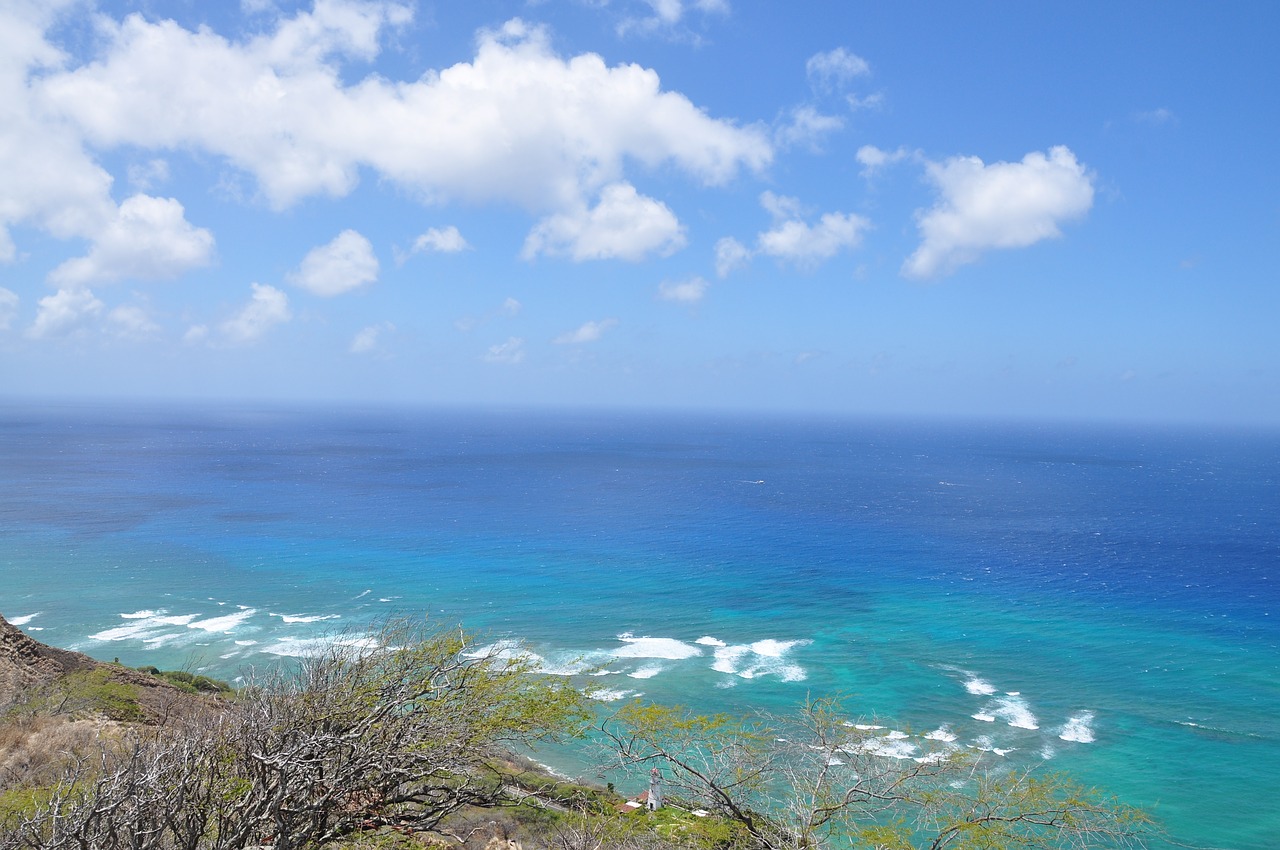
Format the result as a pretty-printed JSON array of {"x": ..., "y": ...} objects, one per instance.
[
  {"x": 86, "y": 693},
  {"x": 189, "y": 682},
  {"x": 816, "y": 779}
]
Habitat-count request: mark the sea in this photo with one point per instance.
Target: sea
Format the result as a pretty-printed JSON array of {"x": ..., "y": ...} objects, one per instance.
[{"x": 1095, "y": 599}]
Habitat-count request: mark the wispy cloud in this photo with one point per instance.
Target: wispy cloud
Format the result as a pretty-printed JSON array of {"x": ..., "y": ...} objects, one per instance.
[{"x": 586, "y": 332}]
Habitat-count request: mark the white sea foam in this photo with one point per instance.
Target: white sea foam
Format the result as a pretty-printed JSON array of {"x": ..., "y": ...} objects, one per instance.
[
  {"x": 651, "y": 647},
  {"x": 761, "y": 658},
  {"x": 305, "y": 618},
  {"x": 942, "y": 733},
  {"x": 865, "y": 727},
  {"x": 24, "y": 619},
  {"x": 139, "y": 615},
  {"x": 224, "y": 624},
  {"x": 136, "y": 630},
  {"x": 893, "y": 745},
  {"x": 933, "y": 758},
  {"x": 773, "y": 648},
  {"x": 1078, "y": 728},
  {"x": 509, "y": 651},
  {"x": 707, "y": 640},
  {"x": 575, "y": 663},
  {"x": 979, "y": 687},
  {"x": 1011, "y": 709},
  {"x": 246, "y": 643},
  {"x": 612, "y": 694},
  {"x": 302, "y": 647},
  {"x": 647, "y": 672}
]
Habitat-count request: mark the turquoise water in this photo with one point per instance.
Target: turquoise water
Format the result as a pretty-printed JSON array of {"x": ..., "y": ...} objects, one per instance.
[{"x": 1098, "y": 599}]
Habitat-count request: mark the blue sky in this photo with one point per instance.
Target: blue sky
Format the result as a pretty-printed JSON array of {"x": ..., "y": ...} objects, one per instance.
[{"x": 990, "y": 209}]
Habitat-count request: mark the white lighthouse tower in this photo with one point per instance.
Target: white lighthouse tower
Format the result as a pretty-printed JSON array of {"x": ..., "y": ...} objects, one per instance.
[{"x": 654, "y": 801}]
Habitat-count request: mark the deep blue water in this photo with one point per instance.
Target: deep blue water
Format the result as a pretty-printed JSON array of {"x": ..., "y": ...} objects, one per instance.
[{"x": 1102, "y": 599}]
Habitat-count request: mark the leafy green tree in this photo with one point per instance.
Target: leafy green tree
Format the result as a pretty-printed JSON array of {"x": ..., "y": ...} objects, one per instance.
[{"x": 818, "y": 780}]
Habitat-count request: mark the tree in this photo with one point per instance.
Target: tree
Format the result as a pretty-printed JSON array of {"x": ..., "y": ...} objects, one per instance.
[
  {"x": 399, "y": 730},
  {"x": 818, "y": 780}
]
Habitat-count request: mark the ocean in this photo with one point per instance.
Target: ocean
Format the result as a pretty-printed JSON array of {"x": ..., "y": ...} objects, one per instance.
[{"x": 1095, "y": 599}]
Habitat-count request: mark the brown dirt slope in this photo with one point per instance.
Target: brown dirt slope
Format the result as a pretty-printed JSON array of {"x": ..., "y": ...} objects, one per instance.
[{"x": 27, "y": 663}]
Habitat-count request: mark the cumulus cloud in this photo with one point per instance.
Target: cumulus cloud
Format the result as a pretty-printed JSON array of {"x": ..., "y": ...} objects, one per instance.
[
  {"x": 518, "y": 123},
  {"x": 1003, "y": 205},
  {"x": 64, "y": 312},
  {"x": 587, "y": 332},
  {"x": 346, "y": 263},
  {"x": 511, "y": 351},
  {"x": 623, "y": 225},
  {"x": 266, "y": 308},
  {"x": 366, "y": 339},
  {"x": 792, "y": 239},
  {"x": 835, "y": 69},
  {"x": 8, "y": 308},
  {"x": 442, "y": 240},
  {"x": 689, "y": 291},
  {"x": 808, "y": 244},
  {"x": 53, "y": 184},
  {"x": 147, "y": 239}
]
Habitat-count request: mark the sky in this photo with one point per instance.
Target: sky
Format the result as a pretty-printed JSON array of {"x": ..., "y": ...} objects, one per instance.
[{"x": 995, "y": 209}]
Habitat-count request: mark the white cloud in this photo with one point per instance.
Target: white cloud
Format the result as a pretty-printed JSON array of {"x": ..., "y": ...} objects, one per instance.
[
  {"x": 53, "y": 184},
  {"x": 8, "y": 308},
  {"x": 873, "y": 158},
  {"x": 588, "y": 332},
  {"x": 808, "y": 244},
  {"x": 623, "y": 225},
  {"x": 518, "y": 123},
  {"x": 689, "y": 291},
  {"x": 266, "y": 308},
  {"x": 366, "y": 339},
  {"x": 807, "y": 127},
  {"x": 1002, "y": 205},
  {"x": 196, "y": 334},
  {"x": 511, "y": 307},
  {"x": 346, "y": 263},
  {"x": 781, "y": 206},
  {"x": 835, "y": 69},
  {"x": 147, "y": 239},
  {"x": 443, "y": 240},
  {"x": 64, "y": 312},
  {"x": 131, "y": 322},
  {"x": 511, "y": 351},
  {"x": 731, "y": 255}
]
